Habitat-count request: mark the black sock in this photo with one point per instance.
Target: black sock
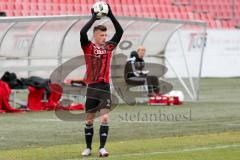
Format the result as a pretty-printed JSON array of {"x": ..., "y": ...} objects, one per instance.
[
  {"x": 89, "y": 135},
  {"x": 103, "y": 133}
]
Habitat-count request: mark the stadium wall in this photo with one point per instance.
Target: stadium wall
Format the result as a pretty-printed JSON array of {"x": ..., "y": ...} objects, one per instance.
[{"x": 221, "y": 54}]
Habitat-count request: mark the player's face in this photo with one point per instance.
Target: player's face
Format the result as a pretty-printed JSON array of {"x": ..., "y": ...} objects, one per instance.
[
  {"x": 100, "y": 37},
  {"x": 141, "y": 52}
]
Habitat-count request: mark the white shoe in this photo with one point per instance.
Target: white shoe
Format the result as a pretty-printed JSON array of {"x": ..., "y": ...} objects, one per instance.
[
  {"x": 86, "y": 152},
  {"x": 103, "y": 152}
]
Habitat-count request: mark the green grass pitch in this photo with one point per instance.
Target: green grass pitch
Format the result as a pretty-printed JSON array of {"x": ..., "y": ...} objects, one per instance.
[{"x": 208, "y": 129}]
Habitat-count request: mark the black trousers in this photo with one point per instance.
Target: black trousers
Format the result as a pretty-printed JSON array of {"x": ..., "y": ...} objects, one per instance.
[{"x": 152, "y": 83}]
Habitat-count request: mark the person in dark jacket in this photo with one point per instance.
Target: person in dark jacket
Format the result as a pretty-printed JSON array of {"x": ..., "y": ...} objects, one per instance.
[{"x": 135, "y": 74}]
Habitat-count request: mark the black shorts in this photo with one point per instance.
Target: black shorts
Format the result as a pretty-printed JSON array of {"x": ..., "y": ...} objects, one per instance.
[{"x": 98, "y": 97}]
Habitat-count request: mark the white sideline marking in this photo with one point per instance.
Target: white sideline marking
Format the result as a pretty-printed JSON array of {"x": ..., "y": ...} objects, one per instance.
[
  {"x": 183, "y": 150},
  {"x": 166, "y": 152}
]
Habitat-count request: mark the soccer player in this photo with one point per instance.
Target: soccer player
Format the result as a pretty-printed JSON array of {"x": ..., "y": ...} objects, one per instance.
[{"x": 98, "y": 56}]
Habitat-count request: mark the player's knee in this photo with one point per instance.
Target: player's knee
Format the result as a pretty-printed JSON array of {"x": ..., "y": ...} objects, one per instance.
[
  {"x": 90, "y": 118},
  {"x": 104, "y": 119},
  {"x": 89, "y": 121}
]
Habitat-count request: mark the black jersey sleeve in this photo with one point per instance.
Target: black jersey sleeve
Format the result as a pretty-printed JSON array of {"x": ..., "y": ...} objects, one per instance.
[
  {"x": 83, "y": 33},
  {"x": 118, "y": 28}
]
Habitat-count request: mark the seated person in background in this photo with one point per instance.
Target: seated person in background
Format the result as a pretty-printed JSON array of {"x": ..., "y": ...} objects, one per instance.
[{"x": 135, "y": 74}]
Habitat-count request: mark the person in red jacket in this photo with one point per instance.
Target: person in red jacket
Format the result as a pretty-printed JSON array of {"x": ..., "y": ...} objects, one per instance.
[{"x": 5, "y": 92}]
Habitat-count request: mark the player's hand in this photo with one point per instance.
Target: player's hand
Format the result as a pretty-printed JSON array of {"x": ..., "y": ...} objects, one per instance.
[
  {"x": 109, "y": 11},
  {"x": 94, "y": 16}
]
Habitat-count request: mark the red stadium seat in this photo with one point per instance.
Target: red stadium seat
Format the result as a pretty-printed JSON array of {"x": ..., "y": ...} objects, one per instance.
[
  {"x": 132, "y": 11},
  {"x": 125, "y": 10},
  {"x": 206, "y": 10},
  {"x": 228, "y": 24},
  {"x": 118, "y": 9}
]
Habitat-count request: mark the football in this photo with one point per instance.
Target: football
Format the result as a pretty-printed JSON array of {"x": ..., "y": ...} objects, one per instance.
[{"x": 100, "y": 9}]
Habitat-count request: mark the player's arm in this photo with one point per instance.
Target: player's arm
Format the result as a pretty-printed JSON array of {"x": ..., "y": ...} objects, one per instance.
[
  {"x": 83, "y": 33},
  {"x": 118, "y": 28}
]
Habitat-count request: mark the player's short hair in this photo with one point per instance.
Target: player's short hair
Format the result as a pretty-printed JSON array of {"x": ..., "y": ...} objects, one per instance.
[{"x": 100, "y": 27}]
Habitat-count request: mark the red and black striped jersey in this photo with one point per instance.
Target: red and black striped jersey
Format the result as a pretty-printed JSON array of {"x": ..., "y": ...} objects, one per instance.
[{"x": 98, "y": 61}]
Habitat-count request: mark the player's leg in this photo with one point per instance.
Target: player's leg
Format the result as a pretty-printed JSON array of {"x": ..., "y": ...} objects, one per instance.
[
  {"x": 90, "y": 108},
  {"x": 89, "y": 131},
  {"x": 103, "y": 131},
  {"x": 105, "y": 107}
]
